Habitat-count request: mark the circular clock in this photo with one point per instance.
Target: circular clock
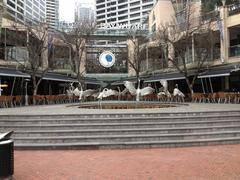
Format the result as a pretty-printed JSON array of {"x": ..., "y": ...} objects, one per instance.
[{"x": 107, "y": 59}]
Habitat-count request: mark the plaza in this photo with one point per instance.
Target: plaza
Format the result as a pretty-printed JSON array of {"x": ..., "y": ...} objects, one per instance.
[
  {"x": 144, "y": 90},
  {"x": 201, "y": 162}
]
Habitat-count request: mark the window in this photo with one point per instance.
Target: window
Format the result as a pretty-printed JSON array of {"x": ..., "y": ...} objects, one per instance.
[
  {"x": 123, "y": 6},
  {"x": 121, "y": 1},
  {"x": 135, "y": 9},
  {"x": 10, "y": 3},
  {"x": 135, "y": 3},
  {"x": 123, "y": 12},
  {"x": 123, "y": 17},
  {"x": 20, "y": 3},
  {"x": 101, "y": 6},
  {"x": 135, "y": 15},
  {"x": 146, "y": 1},
  {"x": 20, "y": 10},
  {"x": 111, "y": 9},
  {"x": 100, "y": 12},
  {"x": 100, "y": 1}
]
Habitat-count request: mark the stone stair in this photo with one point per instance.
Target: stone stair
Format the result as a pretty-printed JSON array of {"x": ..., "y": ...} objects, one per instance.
[{"x": 122, "y": 130}]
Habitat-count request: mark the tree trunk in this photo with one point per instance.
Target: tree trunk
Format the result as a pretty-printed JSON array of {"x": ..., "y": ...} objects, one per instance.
[
  {"x": 35, "y": 89},
  {"x": 190, "y": 86}
]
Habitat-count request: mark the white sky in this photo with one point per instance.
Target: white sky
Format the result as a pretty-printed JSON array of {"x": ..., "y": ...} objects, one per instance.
[{"x": 66, "y": 8}]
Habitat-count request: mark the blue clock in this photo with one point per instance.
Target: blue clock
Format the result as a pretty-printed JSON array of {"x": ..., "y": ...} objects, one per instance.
[{"x": 107, "y": 59}]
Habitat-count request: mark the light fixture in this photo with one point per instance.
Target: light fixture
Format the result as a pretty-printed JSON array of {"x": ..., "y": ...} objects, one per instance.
[{"x": 3, "y": 85}]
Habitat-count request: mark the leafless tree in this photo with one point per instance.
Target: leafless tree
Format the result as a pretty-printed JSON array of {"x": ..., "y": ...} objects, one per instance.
[
  {"x": 77, "y": 37},
  {"x": 35, "y": 39},
  {"x": 136, "y": 43},
  {"x": 178, "y": 39}
]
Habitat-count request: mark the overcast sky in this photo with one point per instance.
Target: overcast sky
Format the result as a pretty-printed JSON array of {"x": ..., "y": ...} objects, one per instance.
[{"x": 66, "y": 9}]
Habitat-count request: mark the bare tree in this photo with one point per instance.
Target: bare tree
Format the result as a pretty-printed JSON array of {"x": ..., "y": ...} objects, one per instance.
[
  {"x": 77, "y": 37},
  {"x": 35, "y": 39},
  {"x": 136, "y": 45},
  {"x": 194, "y": 35}
]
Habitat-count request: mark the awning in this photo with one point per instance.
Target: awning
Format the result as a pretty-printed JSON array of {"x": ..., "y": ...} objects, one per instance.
[
  {"x": 10, "y": 72},
  {"x": 92, "y": 81},
  {"x": 218, "y": 72},
  {"x": 121, "y": 82},
  {"x": 58, "y": 77},
  {"x": 166, "y": 76}
]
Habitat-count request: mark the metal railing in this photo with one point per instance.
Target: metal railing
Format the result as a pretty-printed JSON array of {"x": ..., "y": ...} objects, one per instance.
[{"x": 234, "y": 9}]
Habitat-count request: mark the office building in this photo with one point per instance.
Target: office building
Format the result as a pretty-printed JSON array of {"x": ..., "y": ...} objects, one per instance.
[
  {"x": 52, "y": 13},
  {"x": 84, "y": 12},
  {"x": 123, "y": 11},
  {"x": 26, "y": 11}
]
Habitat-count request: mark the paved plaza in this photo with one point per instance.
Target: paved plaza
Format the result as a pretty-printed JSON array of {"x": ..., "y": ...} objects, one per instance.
[
  {"x": 206, "y": 162},
  {"x": 203, "y": 163}
]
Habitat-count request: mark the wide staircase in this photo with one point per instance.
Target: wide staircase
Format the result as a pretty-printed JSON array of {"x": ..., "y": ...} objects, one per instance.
[{"x": 132, "y": 130}]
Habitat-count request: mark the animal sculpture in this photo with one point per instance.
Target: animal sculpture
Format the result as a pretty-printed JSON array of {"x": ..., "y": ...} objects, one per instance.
[{"x": 138, "y": 92}]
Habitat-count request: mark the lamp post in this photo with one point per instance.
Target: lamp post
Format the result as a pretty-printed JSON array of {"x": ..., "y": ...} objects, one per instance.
[{"x": 26, "y": 92}]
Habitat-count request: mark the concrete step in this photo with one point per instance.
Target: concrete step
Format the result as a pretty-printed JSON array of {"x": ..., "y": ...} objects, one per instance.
[
  {"x": 126, "y": 138},
  {"x": 87, "y": 132},
  {"x": 120, "y": 125},
  {"x": 122, "y": 130},
  {"x": 118, "y": 115},
  {"x": 115, "y": 120},
  {"x": 121, "y": 145}
]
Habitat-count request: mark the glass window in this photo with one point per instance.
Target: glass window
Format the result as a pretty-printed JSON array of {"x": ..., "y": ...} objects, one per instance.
[{"x": 10, "y": 3}]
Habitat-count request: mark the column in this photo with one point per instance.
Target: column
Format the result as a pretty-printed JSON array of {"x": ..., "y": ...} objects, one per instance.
[
  {"x": 44, "y": 36},
  {"x": 224, "y": 34},
  {"x": 131, "y": 53},
  {"x": 226, "y": 83}
]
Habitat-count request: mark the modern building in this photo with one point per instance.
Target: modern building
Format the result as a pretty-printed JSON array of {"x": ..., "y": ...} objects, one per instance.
[
  {"x": 84, "y": 12},
  {"x": 222, "y": 72},
  {"x": 26, "y": 11},
  {"x": 223, "y": 69},
  {"x": 123, "y": 11},
  {"x": 52, "y": 13}
]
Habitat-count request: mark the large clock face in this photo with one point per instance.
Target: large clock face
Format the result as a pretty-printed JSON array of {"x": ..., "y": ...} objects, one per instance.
[{"x": 107, "y": 59}]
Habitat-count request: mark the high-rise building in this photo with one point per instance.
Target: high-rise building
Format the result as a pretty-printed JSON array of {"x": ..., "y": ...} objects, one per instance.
[
  {"x": 26, "y": 11},
  {"x": 123, "y": 11},
  {"x": 52, "y": 13},
  {"x": 84, "y": 12}
]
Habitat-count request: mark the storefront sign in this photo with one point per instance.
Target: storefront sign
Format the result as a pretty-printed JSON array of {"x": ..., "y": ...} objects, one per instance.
[{"x": 122, "y": 26}]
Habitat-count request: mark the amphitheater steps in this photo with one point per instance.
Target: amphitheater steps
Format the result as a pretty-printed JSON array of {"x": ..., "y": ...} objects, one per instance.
[{"x": 137, "y": 130}]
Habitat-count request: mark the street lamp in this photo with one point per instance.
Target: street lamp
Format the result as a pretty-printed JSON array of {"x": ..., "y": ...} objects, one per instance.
[{"x": 26, "y": 92}]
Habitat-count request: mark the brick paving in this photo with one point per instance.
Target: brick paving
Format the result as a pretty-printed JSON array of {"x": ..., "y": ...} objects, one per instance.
[{"x": 211, "y": 162}]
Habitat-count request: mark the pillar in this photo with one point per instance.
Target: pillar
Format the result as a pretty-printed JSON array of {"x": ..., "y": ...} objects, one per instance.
[
  {"x": 224, "y": 34},
  {"x": 44, "y": 33},
  {"x": 226, "y": 84},
  {"x": 131, "y": 53}
]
